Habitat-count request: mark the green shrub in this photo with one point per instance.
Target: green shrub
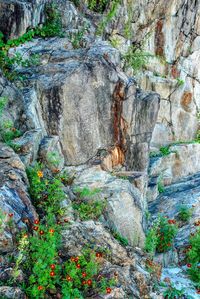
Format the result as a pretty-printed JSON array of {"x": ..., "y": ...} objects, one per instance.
[
  {"x": 180, "y": 82},
  {"x": 184, "y": 213},
  {"x": 136, "y": 58},
  {"x": 97, "y": 5},
  {"x": 108, "y": 17},
  {"x": 83, "y": 273},
  {"x": 122, "y": 240},
  {"x": 86, "y": 205},
  {"x": 173, "y": 293},
  {"x": 92, "y": 209},
  {"x": 161, "y": 235},
  {"x": 45, "y": 189},
  {"x": 165, "y": 150},
  {"x": 161, "y": 187},
  {"x": 193, "y": 258},
  {"x": 42, "y": 260}
]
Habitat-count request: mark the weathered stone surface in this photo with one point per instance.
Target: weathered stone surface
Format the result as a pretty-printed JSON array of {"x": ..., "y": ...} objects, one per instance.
[
  {"x": 100, "y": 107},
  {"x": 184, "y": 160},
  {"x": 14, "y": 198},
  {"x": 169, "y": 31},
  {"x": 50, "y": 153},
  {"x": 28, "y": 146},
  {"x": 133, "y": 281},
  {"x": 178, "y": 277},
  {"x": 11, "y": 292},
  {"x": 14, "y": 109},
  {"x": 124, "y": 202},
  {"x": 17, "y": 16}
]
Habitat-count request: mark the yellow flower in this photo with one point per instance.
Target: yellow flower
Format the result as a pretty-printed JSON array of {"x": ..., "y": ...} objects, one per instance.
[{"x": 40, "y": 174}]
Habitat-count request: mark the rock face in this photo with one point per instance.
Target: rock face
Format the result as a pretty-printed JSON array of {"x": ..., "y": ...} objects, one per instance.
[
  {"x": 132, "y": 279},
  {"x": 91, "y": 106},
  {"x": 184, "y": 160},
  {"x": 14, "y": 198},
  {"x": 17, "y": 16},
  {"x": 170, "y": 32},
  {"x": 124, "y": 211}
]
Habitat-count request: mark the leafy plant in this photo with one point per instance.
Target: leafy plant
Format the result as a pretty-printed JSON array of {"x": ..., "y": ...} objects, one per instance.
[
  {"x": 161, "y": 187},
  {"x": 45, "y": 189},
  {"x": 42, "y": 260},
  {"x": 86, "y": 205},
  {"x": 173, "y": 293},
  {"x": 161, "y": 235},
  {"x": 185, "y": 213},
  {"x": 109, "y": 16},
  {"x": 76, "y": 37},
  {"x": 92, "y": 209},
  {"x": 193, "y": 258},
  {"x": 165, "y": 150},
  {"x": 136, "y": 58},
  {"x": 83, "y": 273},
  {"x": 122, "y": 240},
  {"x": 180, "y": 82},
  {"x": 97, "y": 5}
]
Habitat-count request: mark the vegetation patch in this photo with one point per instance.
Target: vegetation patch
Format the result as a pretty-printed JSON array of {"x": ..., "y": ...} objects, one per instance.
[
  {"x": 184, "y": 213},
  {"x": 86, "y": 206},
  {"x": 161, "y": 235},
  {"x": 8, "y": 131},
  {"x": 193, "y": 258},
  {"x": 122, "y": 240},
  {"x": 51, "y": 27},
  {"x": 136, "y": 59}
]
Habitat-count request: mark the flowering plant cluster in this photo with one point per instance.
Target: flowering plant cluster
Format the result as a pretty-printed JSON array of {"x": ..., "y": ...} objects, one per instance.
[
  {"x": 193, "y": 259},
  {"x": 45, "y": 189},
  {"x": 161, "y": 235}
]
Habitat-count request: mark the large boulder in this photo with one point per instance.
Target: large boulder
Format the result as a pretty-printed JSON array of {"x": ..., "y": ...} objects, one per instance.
[
  {"x": 14, "y": 199},
  {"x": 132, "y": 279},
  {"x": 182, "y": 161},
  {"x": 125, "y": 206},
  {"x": 94, "y": 108},
  {"x": 17, "y": 16}
]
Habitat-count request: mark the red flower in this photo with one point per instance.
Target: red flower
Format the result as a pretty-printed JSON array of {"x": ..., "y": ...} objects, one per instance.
[
  {"x": 169, "y": 244},
  {"x": 84, "y": 282},
  {"x": 108, "y": 290},
  {"x": 52, "y": 273},
  {"x": 52, "y": 266},
  {"x": 10, "y": 215},
  {"x": 78, "y": 266},
  {"x": 84, "y": 274},
  {"x": 171, "y": 221},
  {"x": 36, "y": 221},
  {"x": 40, "y": 288},
  {"x": 66, "y": 220},
  {"x": 41, "y": 232},
  {"x": 35, "y": 228},
  {"x": 68, "y": 278},
  {"x": 198, "y": 291},
  {"x": 72, "y": 259},
  {"x": 189, "y": 265},
  {"x": 51, "y": 231},
  {"x": 89, "y": 282},
  {"x": 99, "y": 254},
  {"x": 76, "y": 259}
]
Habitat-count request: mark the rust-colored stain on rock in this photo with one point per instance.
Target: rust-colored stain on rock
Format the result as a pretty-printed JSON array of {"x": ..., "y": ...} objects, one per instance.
[
  {"x": 159, "y": 39},
  {"x": 186, "y": 100}
]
